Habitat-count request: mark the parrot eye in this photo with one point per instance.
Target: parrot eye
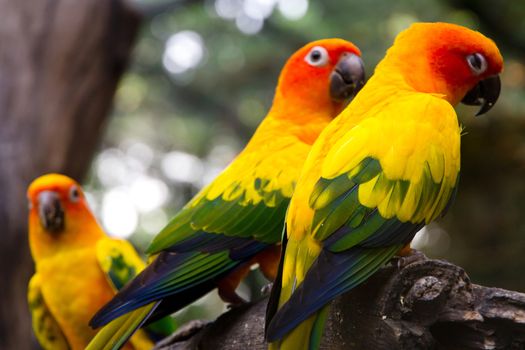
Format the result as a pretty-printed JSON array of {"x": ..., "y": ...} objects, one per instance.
[
  {"x": 318, "y": 56},
  {"x": 477, "y": 63},
  {"x": 74, "y": 194}
]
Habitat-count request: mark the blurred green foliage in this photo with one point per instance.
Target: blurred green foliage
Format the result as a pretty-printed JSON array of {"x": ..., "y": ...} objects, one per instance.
[{"x": 172, "y": 132}]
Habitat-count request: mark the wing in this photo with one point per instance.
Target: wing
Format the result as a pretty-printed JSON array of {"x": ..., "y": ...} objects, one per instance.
[
  {"x": 45, "y": 326},
  {"x": 237, "y": 216},
  {"x": 121, "y": 263},
  {"x": 180, "y": 277},
  {"x": 366, "y": 205},
  {"x": 248, "y": 200}
]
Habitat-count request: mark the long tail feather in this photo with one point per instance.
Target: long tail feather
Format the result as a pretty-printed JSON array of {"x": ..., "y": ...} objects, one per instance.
[
  {"x": 115, "y": 334},
  {"x": 306, "y": 336}
]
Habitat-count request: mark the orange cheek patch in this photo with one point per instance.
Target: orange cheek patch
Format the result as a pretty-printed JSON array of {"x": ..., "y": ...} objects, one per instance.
[{"x": 451, "y": 66}]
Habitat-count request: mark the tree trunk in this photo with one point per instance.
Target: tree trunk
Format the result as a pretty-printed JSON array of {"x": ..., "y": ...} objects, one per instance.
[
  {"x": 60, "y": 61},
  {"x": 429, "y": 304}
]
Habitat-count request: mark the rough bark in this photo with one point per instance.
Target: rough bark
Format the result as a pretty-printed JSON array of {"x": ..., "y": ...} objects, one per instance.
[
  {"x": 60, "y": 62},
  {"x": 429, "y": 304}
]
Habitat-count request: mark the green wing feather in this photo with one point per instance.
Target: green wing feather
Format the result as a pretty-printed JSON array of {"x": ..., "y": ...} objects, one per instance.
[
  {"x": 121, "y": 263},
  {"x": 236, "y": 216},
  {"x": 249, "y": 198},
  {"x": 357, "y": 240}
]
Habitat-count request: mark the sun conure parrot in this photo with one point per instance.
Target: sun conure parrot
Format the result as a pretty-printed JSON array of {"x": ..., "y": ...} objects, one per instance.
[
  {"x": 78, "y": 268},
  {"x": 236, "y": 221},
  {"x": 385, "y": 167}
]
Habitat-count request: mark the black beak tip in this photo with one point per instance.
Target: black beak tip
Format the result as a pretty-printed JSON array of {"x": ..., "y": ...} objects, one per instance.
[
  {"x": 485, "y": 108},
  {"x": 484, "y": 94},
  {"x": 347, "y": 78},
  {"x": 50, "y": 212}
]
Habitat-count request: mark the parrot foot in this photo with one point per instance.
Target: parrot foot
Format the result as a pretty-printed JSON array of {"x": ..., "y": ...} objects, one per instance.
[
  {"x": 413, "y": 256},
  {"x": 266, "y": 289}
]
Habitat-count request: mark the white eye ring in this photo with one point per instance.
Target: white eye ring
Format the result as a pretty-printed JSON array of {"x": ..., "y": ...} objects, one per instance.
[
  {"x": 318, "y": 56},
  {"x": 74, "y": 194},
  {"x": 477, "y": 63}
]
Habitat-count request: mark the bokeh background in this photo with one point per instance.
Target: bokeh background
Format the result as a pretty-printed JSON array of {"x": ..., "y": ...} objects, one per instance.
[{"x": 201, "y": 78}]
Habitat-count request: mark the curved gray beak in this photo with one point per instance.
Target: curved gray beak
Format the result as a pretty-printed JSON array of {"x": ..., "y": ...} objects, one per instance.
[
  {"x": 50, "y": 211},
  {"x": 347, "y": 78},
  {"x": 484, "y": 94}
]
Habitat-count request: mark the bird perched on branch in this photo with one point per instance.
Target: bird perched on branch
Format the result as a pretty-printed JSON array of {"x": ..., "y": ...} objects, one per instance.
[
  {"x": 385, "y": 167},
  {"x": 78, "y": 268},
  {"x": 236, "y": 221}
]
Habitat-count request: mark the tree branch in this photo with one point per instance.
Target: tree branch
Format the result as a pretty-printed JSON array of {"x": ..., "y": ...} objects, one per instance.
[{"x": 429, "y": 304}]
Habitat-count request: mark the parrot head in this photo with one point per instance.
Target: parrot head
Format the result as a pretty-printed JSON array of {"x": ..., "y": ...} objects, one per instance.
[
  {"x": 448, "y": 59},
  {"x": 59, "y": 213},
  {"x": 323, "y": 75}
]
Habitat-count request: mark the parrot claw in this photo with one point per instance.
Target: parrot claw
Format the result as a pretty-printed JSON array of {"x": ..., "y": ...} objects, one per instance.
[
  {"x": 413, "y": 256},
  {"x": 266, "y": 289}
]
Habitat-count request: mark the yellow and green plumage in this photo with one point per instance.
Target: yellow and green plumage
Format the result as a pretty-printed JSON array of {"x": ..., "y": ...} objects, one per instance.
[
  {"x": 78, "y": 268},
  {"x": 236, "y": 221},
  {"x": 385, "y": 167}
]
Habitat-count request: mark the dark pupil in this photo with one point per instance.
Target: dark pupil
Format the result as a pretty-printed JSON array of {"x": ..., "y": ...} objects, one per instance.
[
  {"x": 316, "y": 55},
  {"x": 475, "y": 61},
  {"x": 74, "y": 193}
]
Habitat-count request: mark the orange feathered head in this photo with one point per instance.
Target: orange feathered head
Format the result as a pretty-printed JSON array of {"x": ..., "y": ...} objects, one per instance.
[
  {"x": 51, "y": 196},
  {"x": 449, "y": 59},
  {"x": 321, "y": 74},
  {"x": 59, "y": 214}
]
